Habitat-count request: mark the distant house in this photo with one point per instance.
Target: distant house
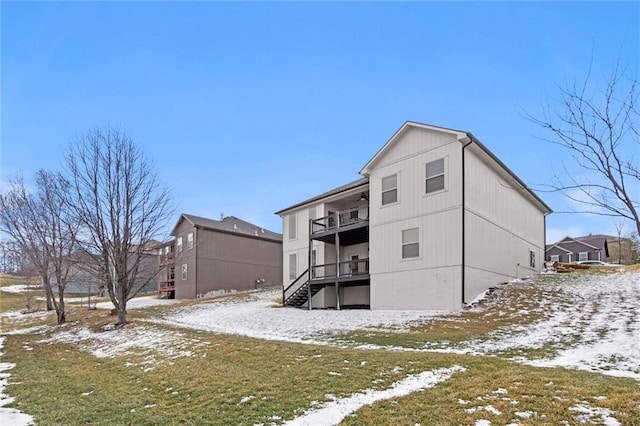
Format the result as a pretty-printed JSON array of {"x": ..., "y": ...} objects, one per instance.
[
  {"x": 579, "y": 249},
  {"x": 208, "y": 256},
  {"x": 435, "y": 220},
  {"x": 84, "y": 272}
]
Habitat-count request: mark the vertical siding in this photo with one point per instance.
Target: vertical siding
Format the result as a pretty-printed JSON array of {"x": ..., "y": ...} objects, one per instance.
[
  {"x": 431, "y": 281},
  {"x": 235, "y": 262},
  {"x": 502, "y": 226},
  {"x": 186, "y": 289},
  {"x": 300, "y": 244}
]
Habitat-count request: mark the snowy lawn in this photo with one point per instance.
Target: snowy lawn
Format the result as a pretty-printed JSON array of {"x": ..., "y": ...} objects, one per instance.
[{"x": 240, "y": 360}]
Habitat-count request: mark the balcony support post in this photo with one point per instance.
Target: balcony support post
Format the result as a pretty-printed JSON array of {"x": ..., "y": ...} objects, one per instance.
[
  {"x": 337, "y": 270},
  {"x": 310, "y": 266}
]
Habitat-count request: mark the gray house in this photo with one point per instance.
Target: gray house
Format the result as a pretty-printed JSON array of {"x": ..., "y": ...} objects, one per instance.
[
  {"x": 210, "y": 256},
  {"x": 569, "y": 250}
]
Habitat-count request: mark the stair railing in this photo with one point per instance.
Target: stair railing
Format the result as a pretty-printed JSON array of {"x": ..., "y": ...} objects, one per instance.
[{"x": 284, "y": 292}]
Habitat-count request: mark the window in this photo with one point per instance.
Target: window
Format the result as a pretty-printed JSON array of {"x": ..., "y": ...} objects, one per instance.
[
  {"x": 434, "y": 176},
  {"x": 313, "y": 263},
  {"x": 390, "y": 189},
  {"x": 555, "y": 258},
  {"x": 179, "y": 244},
  {"x": 583, "y": 255},
  {"x": 532, "y": 259},
  {"x": 410, "y": 243},
  {"x": 292, "y": 226},
  {"x": 189, "y": 240},
  {"x": 293, "y": 271},
  {"x": 184, "y": 271}
]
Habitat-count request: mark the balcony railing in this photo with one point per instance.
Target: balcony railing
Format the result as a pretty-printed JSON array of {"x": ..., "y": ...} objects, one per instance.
[
  {"x": 341, "y": 218},
  {"x": 348, "y": 268},
  {"x": 166, "y": 259}
]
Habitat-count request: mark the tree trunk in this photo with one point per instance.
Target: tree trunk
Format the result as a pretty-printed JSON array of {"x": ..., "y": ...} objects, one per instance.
[
  {"x": 122, "y": 316},
  {"x": 49, "y": 302}
]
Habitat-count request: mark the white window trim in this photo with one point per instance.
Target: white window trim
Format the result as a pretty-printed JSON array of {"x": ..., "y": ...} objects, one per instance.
[
  {"x": 555, "y": 258},
  {"x": 189, "y": 240},
  {"x": 445, "y": 166},
  {"x": 402, "y": 244},
  {"x": 184, "y": 272},
  {"x": 179, "y": 244},
  {"x": 397, "y": 174},
  {"x": 586, "y": 256}
]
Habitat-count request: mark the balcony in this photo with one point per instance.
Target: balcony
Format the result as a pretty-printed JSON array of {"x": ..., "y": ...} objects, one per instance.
[
  {"x": 166, "y": 259},
  {"x": 352, "y": 224},
  {"x": 350, "y": 271}
]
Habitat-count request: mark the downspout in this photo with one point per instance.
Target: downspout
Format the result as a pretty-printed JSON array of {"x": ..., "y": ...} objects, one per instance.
[{"x": 463, "y": 218}]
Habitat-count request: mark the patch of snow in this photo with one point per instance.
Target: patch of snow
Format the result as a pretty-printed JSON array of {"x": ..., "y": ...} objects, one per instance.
[
  {"x": 258, "y": 317},
  {"x": 246, "y": 399},
  {"x": 589, "y": 414},
  {"x": 139, "y": 302},
  {"x": 10, "y": 416},
  {"x": 482, "y": 422},
  {"x": 334, "y": 412},
  {"x": 19, "y": 288},
  {"x": 524, "y": 414}
]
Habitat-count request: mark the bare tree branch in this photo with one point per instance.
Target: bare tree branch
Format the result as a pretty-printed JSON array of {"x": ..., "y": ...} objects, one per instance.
[
  {"x": 122, "y": 206},
  {"x": 599, "y": 130}
]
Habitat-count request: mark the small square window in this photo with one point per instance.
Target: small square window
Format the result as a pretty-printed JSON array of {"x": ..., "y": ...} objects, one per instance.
[
  {"x": 189, "y": 240},
  {"x": 555, "y": 258},
  {"x": 390, "y": 189},
  {"x": 434, "y": 176},
  {"x": 583, "y": 255},
  {"x": 410, "y": 243}
]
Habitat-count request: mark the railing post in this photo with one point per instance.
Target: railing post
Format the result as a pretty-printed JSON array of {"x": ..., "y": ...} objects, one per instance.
[
  {"x": 310, "y": 266},
  {"x": 337, "y": 270}
]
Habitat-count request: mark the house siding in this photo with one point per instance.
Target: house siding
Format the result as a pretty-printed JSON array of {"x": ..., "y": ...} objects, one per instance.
[
  {"x": 235, "y": 262},
  {"x": 432, "y": 280},
  {"x": 186, "y": 289},
  {"x": 501, "y": 226}
]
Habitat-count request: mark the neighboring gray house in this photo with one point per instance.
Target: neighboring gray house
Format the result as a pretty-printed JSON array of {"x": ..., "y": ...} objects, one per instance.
[
  {"x": 570, "y": 250},
  {"x": 435, "y": 220},
  {"x": 84, "y": 275},
  {"x": 209, "y": 256}
]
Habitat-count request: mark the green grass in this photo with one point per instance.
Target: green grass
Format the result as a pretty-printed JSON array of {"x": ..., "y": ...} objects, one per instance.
[{"x": 244, "y": 381}]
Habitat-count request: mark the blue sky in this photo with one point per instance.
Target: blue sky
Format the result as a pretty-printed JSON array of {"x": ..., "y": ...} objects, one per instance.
[{"x": 247, "y": 108}]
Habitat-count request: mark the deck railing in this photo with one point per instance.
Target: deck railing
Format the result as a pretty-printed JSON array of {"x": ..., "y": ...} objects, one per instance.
[
  {"x": 348, "y": 268},
  {"x": 340, "y": 218}
]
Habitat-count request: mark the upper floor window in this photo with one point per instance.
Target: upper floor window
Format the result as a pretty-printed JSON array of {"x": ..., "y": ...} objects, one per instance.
[
  {"x": 292, "y": 226},
  {"x": 390, "y": 189},
  {"x": 189, "y": 240},
  {"x": 434, "y": 176},
  {"x": 583, "y": 255},
  {"x": 410, "y": 243},
  {"x": 179, "y": 244}
]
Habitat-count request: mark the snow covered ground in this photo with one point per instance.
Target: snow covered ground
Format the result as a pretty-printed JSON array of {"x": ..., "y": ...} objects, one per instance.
[
  {"x": 592, "y": 322},
  {"x": 588, "y": 322},
  {"x": 10, "y": 416}
]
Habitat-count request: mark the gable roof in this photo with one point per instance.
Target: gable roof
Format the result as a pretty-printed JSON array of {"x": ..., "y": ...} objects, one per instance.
[
  {"x": 575, "y": 240},
  {"x": 230, "y": 225},
  {"x": 351, "y": 185},
  {"x": 550, "y": 247},
  {"x": 463, "y": 137}
]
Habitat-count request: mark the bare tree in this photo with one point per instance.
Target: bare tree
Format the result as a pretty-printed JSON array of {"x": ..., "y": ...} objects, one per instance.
[
  {"x": 41, "y": 227},
  {"x": 599, "y": 128},
  {"x": 122, "y": 206}
]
